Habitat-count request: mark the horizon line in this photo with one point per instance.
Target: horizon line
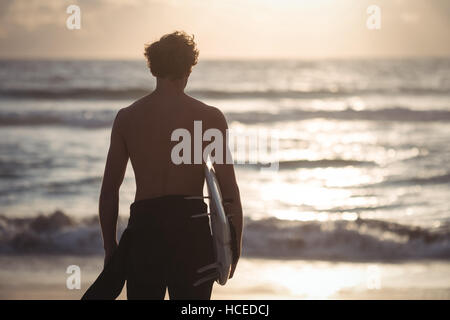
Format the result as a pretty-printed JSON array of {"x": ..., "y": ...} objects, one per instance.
[{"x": 232, "y": 58}]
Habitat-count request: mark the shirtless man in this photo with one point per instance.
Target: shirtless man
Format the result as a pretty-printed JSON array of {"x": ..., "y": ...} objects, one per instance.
[{"x": 142, "y": 133}]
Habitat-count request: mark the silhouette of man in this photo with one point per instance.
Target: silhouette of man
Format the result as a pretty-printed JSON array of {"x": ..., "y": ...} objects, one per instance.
[{"x": 164, "y": 245}]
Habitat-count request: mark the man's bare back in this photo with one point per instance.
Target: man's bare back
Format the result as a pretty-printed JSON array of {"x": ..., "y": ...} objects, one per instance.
[{"x": 143, "y": 131}]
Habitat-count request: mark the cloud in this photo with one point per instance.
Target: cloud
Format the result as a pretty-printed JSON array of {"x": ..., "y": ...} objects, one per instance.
[
  {"x": 225, "y": 28},
  {"x": 410, "y": 17},
  {"x": 30, "y": 14}
]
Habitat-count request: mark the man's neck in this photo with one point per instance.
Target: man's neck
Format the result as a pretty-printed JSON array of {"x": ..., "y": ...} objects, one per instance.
[{"x": 170, "y": 87}]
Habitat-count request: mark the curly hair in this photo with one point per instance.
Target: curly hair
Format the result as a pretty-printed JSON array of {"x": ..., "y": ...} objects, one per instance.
[{"x": 172, "y": 56}]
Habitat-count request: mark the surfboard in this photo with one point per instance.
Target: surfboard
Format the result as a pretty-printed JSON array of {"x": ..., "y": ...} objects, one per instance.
[{"x": 220, "y": 227}]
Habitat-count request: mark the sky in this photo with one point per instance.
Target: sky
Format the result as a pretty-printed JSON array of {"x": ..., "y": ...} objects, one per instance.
[{"x": 247, "y": 29}]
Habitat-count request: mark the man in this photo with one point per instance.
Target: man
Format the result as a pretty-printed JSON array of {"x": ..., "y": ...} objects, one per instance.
[{"x": 163, "y": 246}]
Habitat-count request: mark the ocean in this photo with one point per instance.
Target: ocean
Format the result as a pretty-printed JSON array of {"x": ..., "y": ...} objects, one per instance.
[{"x": 364, "y": 170}]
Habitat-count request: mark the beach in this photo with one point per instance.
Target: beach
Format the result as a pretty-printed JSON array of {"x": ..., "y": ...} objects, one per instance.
[
  {"x": 357, "y": 208},
  {"x": 45, "y": 278}
]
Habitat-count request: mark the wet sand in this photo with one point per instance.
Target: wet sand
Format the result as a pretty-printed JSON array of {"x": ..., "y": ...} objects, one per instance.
[{"x": 44, "y": 277}]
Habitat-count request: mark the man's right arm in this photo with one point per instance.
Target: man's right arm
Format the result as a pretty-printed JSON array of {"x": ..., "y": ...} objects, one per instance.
[{"x": 115, "y": 168}]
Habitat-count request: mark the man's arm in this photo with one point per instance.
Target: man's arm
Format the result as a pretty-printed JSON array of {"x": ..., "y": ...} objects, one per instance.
[
  {"x": 230, "y": 191},
  {"x": 115, "y": 168}
]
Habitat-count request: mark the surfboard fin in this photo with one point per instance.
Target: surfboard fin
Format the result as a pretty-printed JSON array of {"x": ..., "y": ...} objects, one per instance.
[
  {"x": 227, "y": 201},
  {"x": 197, "y": 197},
  {"x": 213, "y": 276},
  {"x": 200, "y": 215},
  {"x": 214, "y": 265}
]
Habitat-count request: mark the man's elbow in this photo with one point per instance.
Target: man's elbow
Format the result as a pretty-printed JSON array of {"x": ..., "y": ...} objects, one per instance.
[{"x": 109, "y": 194}]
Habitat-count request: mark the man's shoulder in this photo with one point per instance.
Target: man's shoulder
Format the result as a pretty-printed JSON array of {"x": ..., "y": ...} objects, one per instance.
[
  {"x": 123, "y": 114},
  {"x": 211, "y": 114},
  {"x": 209, "y": 111},
  {"x": 133, "y": 107},
  {"x": 137, "y": 104}
]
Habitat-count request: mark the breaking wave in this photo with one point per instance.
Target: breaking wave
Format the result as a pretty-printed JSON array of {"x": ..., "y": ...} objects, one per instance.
[
  {"x": 104, "y": 118},
  {"x": 136, "y": 92},
  {"x": 387, "y": 114},
  {"x": 431, "y": 180},
  {"x": 342, "y": 240}
]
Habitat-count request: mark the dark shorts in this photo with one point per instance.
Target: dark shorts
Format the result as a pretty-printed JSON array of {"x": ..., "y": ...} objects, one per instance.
[
  {"x": 162, "y": 248},
  {"x": 167, "y": 247}
]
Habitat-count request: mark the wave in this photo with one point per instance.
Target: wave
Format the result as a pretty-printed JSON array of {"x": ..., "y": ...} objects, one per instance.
[
  {"x": 359, "y": 240},
  {"x": 436, "y": 179},
  {"x": 50, "y": 188},
  {"x": 317, "y": 93},
  {"x": 104, "y": 118},
  {"x": 75, "y": 93},
  {"x": 56, "y": 233},
  {"x": 95, "y": 119},
  {"x": 342, "y": 240},
  {"x": 386, "y": 114},
  {"x": 132, "y": 93},
  {"x": 322, "y": 163}
]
